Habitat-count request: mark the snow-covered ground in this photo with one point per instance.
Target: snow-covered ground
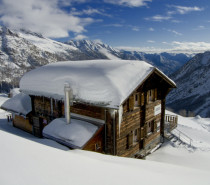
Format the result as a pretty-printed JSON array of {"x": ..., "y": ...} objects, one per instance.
[
  {"x": 198, "y": 156},
  {"x": 27, "y": 160}
]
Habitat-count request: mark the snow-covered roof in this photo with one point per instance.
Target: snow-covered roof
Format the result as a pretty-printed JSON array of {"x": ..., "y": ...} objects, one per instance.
[
  {"x": 75, "y": 135},
  {"x": 20, "y": 103},
  {"x": 103, "y": 82}
]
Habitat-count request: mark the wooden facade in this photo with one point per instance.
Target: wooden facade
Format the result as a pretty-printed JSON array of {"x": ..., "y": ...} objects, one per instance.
[
  {"x": 22, "y": 123},
  {"x": 132, "y": 130}
]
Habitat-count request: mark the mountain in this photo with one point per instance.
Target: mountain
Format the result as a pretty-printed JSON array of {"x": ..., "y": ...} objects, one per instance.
[
  {"x": 23, "y": 50},
  {"x": 192, "y": 94},
  {"x": 94, "y": 49},
  {"x": 167, "y": 62}
]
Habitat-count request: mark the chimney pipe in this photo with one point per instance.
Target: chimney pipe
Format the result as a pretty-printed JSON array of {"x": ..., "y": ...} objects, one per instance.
[{"x": 68, "y": 94}]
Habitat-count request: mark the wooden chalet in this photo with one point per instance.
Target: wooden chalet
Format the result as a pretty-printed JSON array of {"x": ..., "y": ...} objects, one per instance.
[{"x": 124, "y": 101}]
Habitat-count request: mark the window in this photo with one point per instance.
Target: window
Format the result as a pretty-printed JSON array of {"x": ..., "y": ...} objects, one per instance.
[
  {"x": 136, "y": 101},
  {"x": 158, "y": 126},
  {"x": 129, "y": 140},
  {"x": 152, "y": 95},
  {"x": 135, "y": 136},
  {"x": 150, "y": 127},
  {"x": 128, "y": 105},
  {"x": 97, "y": 146}
]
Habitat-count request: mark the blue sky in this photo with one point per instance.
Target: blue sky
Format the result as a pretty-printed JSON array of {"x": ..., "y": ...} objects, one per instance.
[{"x": 147, "y": 25}]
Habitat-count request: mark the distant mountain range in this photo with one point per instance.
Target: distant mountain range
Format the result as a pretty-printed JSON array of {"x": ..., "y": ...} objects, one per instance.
[
  {"x": 192, "y": 94},
  {"x": 24, "y": 50},
  {"x": 167, "y": 62}
]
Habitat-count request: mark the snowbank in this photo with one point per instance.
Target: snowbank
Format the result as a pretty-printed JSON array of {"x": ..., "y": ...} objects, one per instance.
[
  {"x": 76, "y": 134},
  {"x": 23, "y": 160},
  {"x": 20, "y": 103},
  {"x": 103, "y": 82}
]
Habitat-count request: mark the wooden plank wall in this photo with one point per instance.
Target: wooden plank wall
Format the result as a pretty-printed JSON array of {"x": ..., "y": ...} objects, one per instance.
[
  {"x": 22, "y": 123},
  {"x": 130, "y": 122},
  {"x": 88, "y": 110},
  {"x": 96, "y": 143}
]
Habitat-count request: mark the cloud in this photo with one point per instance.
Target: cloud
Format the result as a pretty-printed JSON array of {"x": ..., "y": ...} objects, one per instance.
[
  {"x": 150, "y": 41},
  {"x": 174, "y": 32},
  {"x": 176, "y": 10},
  {"x": 129, "y": 3},
  {"x": 98, "y": 41},
  {"x": 151, "y": 29},
  {"x": 80, "y": 37},
  {"x": 185, "y": 9},
  {"x": 117, "y": 25},
  {"x": 173, "y": 47},
  {"x": 158, "y": 18},
  {"x": 43, "y": 16},
  {"x": 191, "y": 46},
  {"x": 114, "y": 25},
  {"x": 89, "y": 11},
  {"x": 200, "y": 28},
  {"x": 135, "y": 28}
]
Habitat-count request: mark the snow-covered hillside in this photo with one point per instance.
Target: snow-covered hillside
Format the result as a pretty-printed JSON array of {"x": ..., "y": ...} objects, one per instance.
[
  {"x": 27, "y": 160},
  {"x": 22, "y": 51},
  {"x": 193, "y": 86}
]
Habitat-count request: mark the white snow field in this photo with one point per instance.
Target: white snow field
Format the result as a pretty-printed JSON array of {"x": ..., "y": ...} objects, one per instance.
[
  {"x": 198, "y": 156},
  {"x": 27, "y": 160}
]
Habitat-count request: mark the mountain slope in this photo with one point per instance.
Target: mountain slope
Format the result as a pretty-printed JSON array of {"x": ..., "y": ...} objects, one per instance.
[
  {"x": 193, "y": 86},
  {"x": 24, "y": 50},
  {"x": 95, "y": 50}
]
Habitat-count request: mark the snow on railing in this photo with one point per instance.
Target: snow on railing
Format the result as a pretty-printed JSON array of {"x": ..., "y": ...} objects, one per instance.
[{"x": 182, "y": 137}]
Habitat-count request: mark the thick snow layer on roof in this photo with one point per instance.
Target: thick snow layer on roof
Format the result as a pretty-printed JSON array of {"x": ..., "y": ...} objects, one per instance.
[
  {"x": 20, "y": 103},
  {"x": 103, "y": 82},
  {"x": 76, "y": 134}
]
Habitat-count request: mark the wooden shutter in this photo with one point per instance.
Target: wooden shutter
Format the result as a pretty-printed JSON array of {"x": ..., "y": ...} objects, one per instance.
[
  {"x": 131, "y": 139},
  {"x": 145, "y": 130},
  {"x": 131, "y": 102},
  {"x": 142, "y": 99},
  {"x": 155, "y": 126},
  {"x": 155, "y": 93},
  {"x": 148, "y": 96},
  {"x": 138, "y": 134},
  {"x": 142, "y": 133},
  {"x": 139, "y": 100}
]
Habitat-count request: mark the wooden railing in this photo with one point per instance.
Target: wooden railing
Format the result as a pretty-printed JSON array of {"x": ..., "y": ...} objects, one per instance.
[{"x": 171, "y": 122}]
